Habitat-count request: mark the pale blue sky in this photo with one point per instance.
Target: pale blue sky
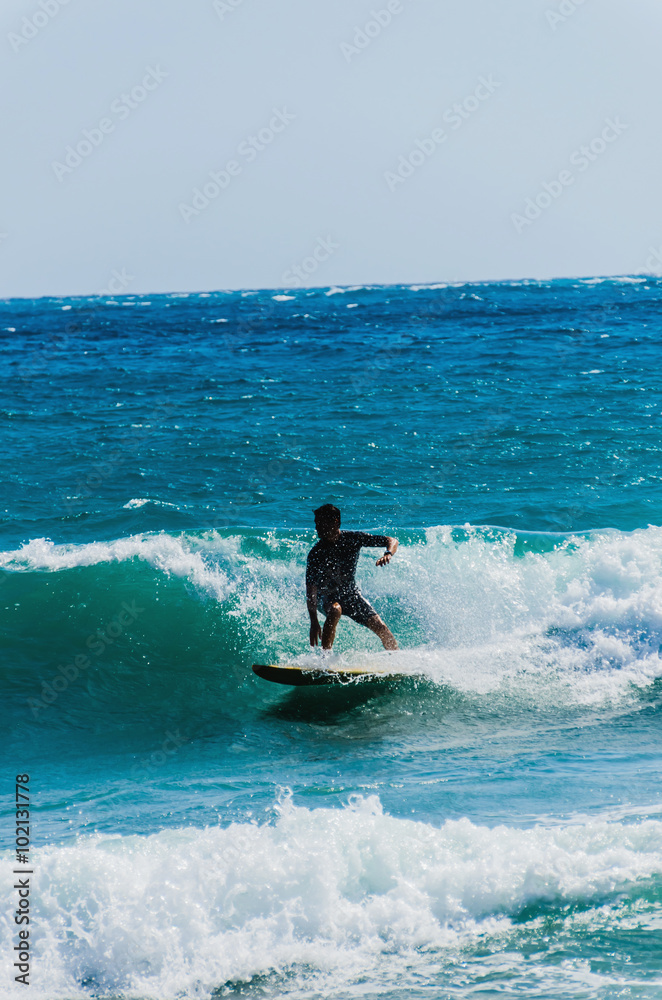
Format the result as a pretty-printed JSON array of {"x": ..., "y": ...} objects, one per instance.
[{"x": 321, "y": 196}]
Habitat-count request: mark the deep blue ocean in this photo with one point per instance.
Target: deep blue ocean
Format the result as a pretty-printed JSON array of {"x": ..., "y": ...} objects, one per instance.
[{"x": 492, "y": 824}]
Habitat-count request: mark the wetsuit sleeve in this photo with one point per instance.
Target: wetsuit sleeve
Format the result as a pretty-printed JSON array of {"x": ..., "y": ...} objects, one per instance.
[{"x": 363, "y": 538}]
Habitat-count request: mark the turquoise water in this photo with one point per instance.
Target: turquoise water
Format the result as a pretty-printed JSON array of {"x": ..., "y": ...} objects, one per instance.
[{"x": 490, "y": 825}]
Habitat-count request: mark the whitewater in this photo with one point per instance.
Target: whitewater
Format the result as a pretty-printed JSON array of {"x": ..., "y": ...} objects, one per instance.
[{"x": 490, "y": 824}]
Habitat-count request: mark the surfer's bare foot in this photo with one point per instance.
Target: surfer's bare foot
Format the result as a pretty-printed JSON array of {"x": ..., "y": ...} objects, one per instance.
[{"x": 381, "y": 629}]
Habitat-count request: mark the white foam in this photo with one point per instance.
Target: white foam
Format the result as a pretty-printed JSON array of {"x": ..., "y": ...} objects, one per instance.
[
  {"x": 439, "y": 284},
  {"x": 141, "y": 501},
  {"x": 581, "y": 622},
  {"x": 341, "y": 891},
  {"x": 339, "y": 290},
  {"x": 617, "y": 279},
  {"x": 169, "y": 554}
]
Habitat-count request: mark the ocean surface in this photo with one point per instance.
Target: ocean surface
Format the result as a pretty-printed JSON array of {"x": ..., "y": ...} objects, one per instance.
[{"x": 491, "y": 825}]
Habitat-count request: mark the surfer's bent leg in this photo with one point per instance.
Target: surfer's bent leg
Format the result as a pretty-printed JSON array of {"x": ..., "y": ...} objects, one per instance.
[
  {"x": 333, "y": 613},
  {"x": 380, "y": 628},
  {"x": 355, "y": 606}
]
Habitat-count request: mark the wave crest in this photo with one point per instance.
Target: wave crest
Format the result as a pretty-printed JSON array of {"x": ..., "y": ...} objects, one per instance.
[{"x": 479, "y": 609}]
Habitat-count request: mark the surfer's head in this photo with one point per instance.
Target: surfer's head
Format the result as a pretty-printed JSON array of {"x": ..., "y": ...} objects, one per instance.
[{"x": 327, "y": 522}]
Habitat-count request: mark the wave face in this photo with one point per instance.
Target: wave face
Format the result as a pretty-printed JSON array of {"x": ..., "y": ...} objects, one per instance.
[
  {"x": 480, "y": 610},
  {"x": 489, "y": 823}
]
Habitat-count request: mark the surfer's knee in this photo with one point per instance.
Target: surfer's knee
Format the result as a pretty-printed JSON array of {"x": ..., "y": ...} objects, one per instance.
[{"x": 335, "y": 610}]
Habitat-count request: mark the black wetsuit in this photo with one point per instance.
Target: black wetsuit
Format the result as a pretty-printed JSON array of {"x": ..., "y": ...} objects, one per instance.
[{"x": 331, "y": 567}]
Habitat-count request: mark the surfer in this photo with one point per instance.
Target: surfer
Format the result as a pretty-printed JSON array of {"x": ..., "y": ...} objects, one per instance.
[{"x": 330, "y": 584}]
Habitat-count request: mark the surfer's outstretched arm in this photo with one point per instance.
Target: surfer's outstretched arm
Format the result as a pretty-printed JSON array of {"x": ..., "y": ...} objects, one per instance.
[{"x": 391, "y": 549}]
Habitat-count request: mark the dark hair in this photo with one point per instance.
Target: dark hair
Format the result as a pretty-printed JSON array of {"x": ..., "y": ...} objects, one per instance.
[{"x": 327, "y": 512}]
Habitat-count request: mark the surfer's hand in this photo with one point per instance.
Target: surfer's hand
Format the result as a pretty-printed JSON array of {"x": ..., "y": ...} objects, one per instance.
[
  {"x": 384, "y": 560},
  {"x": 315, "y": 633}
]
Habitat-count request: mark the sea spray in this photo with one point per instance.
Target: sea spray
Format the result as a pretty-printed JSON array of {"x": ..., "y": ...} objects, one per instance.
[{"x": 188, "y": 910}]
